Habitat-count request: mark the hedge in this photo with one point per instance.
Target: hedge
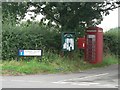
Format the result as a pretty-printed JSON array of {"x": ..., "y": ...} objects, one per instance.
[
  {"x": 111, "y": 39},
  {"x": 38, "y": 36},
  {"x": 34, "y": 36}
]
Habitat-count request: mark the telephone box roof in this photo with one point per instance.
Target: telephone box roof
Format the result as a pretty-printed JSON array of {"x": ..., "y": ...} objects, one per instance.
[{"x": 94, "y": 28}]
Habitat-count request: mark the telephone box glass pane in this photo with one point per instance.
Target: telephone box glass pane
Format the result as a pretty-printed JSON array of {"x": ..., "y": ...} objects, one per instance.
[{"x": 91, "y": 47}]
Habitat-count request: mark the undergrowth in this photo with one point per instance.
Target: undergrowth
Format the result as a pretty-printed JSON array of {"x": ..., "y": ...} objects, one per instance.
[{"x": 58, "y": 65}]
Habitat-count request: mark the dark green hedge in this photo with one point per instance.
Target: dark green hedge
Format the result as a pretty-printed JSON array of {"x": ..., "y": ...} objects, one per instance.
[
  {"x": 34, "y": 36},
  {"x": 111, "y": 39},
  {"x": 37, "y": 36}
]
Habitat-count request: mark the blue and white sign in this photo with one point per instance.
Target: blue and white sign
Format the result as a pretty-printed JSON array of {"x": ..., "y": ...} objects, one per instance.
[
  {"x": 30, "y": 52},
  {"x": 21, "y": 52}
]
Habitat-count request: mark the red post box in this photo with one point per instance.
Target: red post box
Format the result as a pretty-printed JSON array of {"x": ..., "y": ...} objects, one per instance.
[
  {"x": 94, "y": 45},
  {"x": 81, "y": 43}
]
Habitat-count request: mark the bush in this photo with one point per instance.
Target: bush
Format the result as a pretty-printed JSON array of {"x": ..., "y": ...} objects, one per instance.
[
  {"x": 32, "y": 36},
  {"x": 38, "y": 36},
  {"x": 111, "y": 41}
]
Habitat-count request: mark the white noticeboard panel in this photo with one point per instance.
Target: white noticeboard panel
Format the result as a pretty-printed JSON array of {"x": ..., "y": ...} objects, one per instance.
[
  {"x": 68, "y": 44},
  {"x": 30, "y": 52}
]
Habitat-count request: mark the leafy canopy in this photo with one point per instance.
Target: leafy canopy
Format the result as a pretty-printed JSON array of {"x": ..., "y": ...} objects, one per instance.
[{"x": 66, "y": 15}]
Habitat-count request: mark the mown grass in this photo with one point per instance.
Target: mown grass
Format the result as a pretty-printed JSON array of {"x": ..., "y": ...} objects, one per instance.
[{"x": 60, "y": 65}]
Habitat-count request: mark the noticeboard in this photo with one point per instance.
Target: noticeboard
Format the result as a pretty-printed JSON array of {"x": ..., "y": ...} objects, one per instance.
[{"x": 68, "y": 41}]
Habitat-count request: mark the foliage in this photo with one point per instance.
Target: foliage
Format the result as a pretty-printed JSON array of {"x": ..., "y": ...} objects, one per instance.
[
  {"x": 72, "y": 14},
  {"x": 110, "y": 59},
  {"x": 28, "y": 36},
  {"x": 68, "y": 15},
  {"x": 16, "y": 10},
  {"x": 53, "y": 64},
  {"x": 111, "y": 41}
]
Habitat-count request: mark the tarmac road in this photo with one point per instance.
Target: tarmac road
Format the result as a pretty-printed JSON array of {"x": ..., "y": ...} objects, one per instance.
[{"x": 106, "y": 77}]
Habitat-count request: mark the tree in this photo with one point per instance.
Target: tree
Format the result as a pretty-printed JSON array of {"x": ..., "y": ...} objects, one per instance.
[
  {"x": 13, "y": 11},
  {"x": 67, "y": 15}
]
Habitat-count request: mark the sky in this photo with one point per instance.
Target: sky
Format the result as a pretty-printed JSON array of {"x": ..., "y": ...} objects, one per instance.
[{"x": 109, "y": 21}]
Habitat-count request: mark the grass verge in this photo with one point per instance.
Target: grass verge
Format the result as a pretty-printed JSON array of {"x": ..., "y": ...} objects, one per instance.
[{"x": 60, "y": 65}]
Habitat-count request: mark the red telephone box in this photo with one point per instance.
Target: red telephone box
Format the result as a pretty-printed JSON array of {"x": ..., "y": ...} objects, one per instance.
[{"x": 94, "y": 45}]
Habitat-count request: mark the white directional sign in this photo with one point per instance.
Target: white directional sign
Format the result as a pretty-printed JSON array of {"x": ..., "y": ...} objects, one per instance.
[{"x": 30, "y": 52}]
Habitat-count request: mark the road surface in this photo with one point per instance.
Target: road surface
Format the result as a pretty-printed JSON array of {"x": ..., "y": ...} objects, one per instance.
[{"x": 106, "y": 77}]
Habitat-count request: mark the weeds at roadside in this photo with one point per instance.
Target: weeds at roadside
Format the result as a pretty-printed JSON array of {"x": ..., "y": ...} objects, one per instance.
[{"x": 59, "y": 65}]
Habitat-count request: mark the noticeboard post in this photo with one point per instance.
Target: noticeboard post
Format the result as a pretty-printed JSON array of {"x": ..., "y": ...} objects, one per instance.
[{"x": 68, "y": 41}]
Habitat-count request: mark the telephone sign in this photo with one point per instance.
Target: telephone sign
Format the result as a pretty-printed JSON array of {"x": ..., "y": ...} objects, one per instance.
[{"x": 68, "y": 41}]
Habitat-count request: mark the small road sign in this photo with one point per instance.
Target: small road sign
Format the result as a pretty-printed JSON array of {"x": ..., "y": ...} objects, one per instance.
[{"x": 30, "y": 52}]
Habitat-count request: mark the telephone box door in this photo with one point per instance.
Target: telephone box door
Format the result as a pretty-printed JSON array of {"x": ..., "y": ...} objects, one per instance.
[
  {"x": 94, "y": 45},
  {"x": 90, "y": 48}
]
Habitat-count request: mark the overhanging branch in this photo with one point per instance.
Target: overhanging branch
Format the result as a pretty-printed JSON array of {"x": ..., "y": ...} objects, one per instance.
[{"x": 109, "y": 8}]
